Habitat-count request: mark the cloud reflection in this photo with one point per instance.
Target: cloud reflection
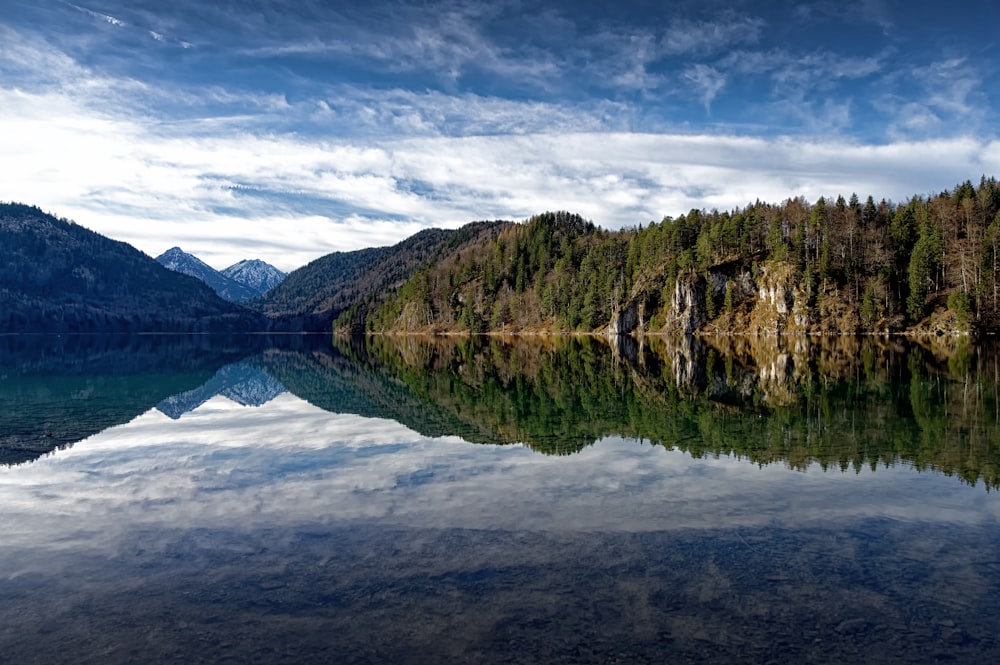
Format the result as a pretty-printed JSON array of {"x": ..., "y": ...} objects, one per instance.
[{"x": 226, "y": 466}]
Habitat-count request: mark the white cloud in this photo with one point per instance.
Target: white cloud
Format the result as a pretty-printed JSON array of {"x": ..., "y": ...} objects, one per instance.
[
  {"x": 950, "y": 96},
  {"x": 793, "y": 72},
  {"x": 445, "y": 43},
  {"x": 101, "y": 17},
  {"x": 708, "y": 81},
  {"x": 686, "y": 37},
  {"x": 292, "y": 180},
  {"x": 156, "y": 186},
  {"x": 949, "y": 85}
]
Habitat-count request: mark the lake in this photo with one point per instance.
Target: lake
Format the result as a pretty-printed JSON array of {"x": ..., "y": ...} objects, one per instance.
[{"x": 296, "y": 499}]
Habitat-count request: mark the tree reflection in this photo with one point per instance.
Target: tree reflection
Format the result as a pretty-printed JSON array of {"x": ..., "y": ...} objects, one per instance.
[
  {"x": 840, "y": 402},
  {"x": 837, "y": 402}
]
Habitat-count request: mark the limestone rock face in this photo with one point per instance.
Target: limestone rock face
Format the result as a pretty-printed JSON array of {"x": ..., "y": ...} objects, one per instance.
[
  {"x": 687, "y": 305},
  {"x": 771, "y": 300},
  {"x": 777, "y": 297},
  {"x": 781, "y": 305},
  {"x": 625, "y": 319}
]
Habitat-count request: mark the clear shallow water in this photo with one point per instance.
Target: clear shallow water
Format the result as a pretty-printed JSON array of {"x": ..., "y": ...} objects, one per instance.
[{"x": 257, "y": 503}]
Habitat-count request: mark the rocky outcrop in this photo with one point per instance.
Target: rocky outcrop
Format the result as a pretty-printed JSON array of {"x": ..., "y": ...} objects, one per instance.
[
  {"x": 781, "y": 306},
  {"x": 626, "y": 319},
  {"x": 687, "y": 305},
  {"x": 770, "y": 300}
]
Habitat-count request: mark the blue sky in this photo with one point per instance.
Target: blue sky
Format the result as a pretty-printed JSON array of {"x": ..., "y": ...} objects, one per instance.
[{"x": 286, "y": 130}]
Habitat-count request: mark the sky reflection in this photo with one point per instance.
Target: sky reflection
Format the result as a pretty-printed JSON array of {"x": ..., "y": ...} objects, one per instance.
[{"x": 227, "y": 466}]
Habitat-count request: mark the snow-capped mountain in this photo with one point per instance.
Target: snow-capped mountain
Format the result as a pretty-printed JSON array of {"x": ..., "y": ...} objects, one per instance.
[
  {"x": 256, "y": 275},
  {"x": 180, "y": 261}
]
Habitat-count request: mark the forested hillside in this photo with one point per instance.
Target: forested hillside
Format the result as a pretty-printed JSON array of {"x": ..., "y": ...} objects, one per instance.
[
  {"x": 311, "y": 297},
  {"x": 57, "y": 276},
  {"x": 833, "y": 265}
]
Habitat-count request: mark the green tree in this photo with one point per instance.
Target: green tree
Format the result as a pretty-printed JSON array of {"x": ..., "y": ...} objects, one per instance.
[
  {"x": 729, "y": 302},
  {"x": 869, "y": 308},
  {"x": 960, "y": 304},
  {"x": 924, "y": 263},
  {"x": 776, "y": 244}
]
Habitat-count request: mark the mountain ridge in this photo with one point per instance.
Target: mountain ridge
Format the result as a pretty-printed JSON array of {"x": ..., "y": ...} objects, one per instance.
[
  {"x": 930, "y": 264},
  {"x": 241, "y": 282},
  {"x": 312, "y": 296},
  {"x": 58, "y": 276}
]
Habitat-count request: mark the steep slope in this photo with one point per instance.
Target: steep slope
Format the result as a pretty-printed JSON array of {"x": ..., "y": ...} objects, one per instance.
[
  {"x": 256, "y": 275},
  {"x": 226, "y": 288},
  {"x": 548, "y": 273},
  {"x": 313, "y": 296},
  {"x": 57, "y": 276}
]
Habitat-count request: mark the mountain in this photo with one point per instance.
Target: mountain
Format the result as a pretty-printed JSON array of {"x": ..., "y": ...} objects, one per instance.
[
  {"x": 256, "y": 275},
  {"x": 229, "y": 289},
  {"x": 57, "y": 276},
  {"x": 313, "y": 296}
]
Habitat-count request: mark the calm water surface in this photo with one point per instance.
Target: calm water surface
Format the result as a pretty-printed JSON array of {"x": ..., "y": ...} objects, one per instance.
[{"x": 290, "y": 499}]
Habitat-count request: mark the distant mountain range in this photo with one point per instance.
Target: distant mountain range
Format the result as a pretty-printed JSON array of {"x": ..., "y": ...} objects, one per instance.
[
  {"x": 57, "y": 276},
  {"x": 240, "y": 282}
]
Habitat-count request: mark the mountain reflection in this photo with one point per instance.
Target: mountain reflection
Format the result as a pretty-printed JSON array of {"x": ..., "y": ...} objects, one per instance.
[
  {"x": 59, "y": 389},
  {"x": 839, "y": 402},
  {"x": 242, "y": 382}
]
